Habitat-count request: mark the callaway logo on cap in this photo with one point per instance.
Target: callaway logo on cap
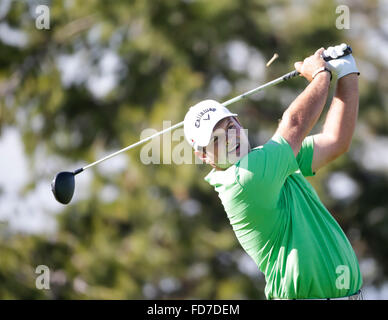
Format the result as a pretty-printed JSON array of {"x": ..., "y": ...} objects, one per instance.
[
  {"x": 200, "y": 121},
  {"x": 201, "y": 114}
]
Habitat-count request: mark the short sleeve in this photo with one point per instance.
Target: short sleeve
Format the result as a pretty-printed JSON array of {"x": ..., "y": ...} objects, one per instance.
[
  {"x": 263, "y": 172},
  {"x": 305, "y": 156}
]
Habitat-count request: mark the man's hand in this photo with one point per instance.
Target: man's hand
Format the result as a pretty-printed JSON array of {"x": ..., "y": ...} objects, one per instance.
[
  {"x": 341, "y": 66},
  {"x": 310, "y": 65}
]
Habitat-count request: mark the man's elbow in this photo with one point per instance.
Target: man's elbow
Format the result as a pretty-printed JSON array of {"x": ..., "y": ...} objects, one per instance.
[
  {"x": 336, "y": 145},
  {"x": 341, "y": 147}
]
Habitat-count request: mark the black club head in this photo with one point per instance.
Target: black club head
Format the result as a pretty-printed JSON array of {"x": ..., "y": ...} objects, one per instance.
[{"x": 63, "y": 186}]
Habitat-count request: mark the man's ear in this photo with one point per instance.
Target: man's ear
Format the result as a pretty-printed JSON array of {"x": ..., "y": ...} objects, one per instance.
[
  {"x": 238, "y": 121},
  {"x": 201, "y": 155}
]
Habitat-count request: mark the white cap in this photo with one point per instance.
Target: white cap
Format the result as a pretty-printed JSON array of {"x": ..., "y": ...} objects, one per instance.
[{"x": 200, "y": 121}]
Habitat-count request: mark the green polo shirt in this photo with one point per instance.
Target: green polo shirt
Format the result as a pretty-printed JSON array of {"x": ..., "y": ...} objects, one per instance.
[{"x": 281, "y": 223}]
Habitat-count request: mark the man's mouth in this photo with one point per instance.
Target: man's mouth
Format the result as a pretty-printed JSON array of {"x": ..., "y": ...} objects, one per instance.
[{"x": 235, "y": 148}]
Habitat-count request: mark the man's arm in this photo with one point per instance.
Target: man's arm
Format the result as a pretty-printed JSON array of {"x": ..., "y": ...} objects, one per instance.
[
  {"x": 304, "y": 111},
  {"x": 336, "y": 137}
]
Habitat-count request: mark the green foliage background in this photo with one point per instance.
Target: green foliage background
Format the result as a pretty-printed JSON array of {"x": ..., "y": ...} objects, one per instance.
[{"x": 144, "y": 244}]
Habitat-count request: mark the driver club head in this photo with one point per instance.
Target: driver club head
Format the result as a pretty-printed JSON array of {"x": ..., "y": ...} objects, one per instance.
[{"x": 63, "y": 186}]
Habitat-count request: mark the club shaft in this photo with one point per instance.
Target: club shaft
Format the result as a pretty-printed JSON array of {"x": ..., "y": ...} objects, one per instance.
[
  {"x": 255, "y": 90},
  {"x": 135, "y": 145},
  {"x": 180, "y": 124}
]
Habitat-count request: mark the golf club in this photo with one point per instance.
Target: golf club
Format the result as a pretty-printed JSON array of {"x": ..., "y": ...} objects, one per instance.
[{"x": 63, "y": 184}]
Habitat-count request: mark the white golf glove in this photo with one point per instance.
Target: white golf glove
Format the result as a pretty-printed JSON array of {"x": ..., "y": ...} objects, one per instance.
[{"x": 341, "y": 66}]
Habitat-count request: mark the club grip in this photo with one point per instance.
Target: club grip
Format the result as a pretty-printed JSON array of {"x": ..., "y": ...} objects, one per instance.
[
  {"x": 295, "y": 73},
  {"x": 347, "y": 51},
  {"x": 290, "y": 75}
]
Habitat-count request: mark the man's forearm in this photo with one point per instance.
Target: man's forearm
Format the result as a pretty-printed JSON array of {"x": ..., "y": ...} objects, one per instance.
[
  {"x": 342, "y": 116},
  {"x": 303, "y": 113}
]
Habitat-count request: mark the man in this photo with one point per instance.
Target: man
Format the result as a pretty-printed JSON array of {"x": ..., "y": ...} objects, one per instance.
[{"x": 275, "y": 213}]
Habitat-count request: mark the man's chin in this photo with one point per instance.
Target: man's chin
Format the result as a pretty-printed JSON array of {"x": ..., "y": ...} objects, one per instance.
[
  {"x": 233, "y": 157},
  {"x": 230, "y": 162},
  {"x": 222, "y": 166}
]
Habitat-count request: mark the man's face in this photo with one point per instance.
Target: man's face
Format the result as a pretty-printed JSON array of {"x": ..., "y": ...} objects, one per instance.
[{"x": 228, "y": 144}]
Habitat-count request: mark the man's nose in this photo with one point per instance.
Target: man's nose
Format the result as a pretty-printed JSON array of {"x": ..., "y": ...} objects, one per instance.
[{"x": 231, "y": 135}]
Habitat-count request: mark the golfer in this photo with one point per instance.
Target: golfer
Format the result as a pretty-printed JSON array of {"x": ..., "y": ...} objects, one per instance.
[{"x": 275, "y": 213}]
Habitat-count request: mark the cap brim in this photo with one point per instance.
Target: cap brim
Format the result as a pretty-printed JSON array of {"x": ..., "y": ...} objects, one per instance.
[{"x": 204, "y": 140}]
